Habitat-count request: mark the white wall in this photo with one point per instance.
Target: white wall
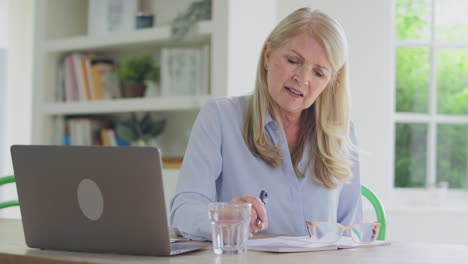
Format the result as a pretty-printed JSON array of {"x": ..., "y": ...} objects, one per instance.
[
  {"x": 17, "y": 127},
  {"x": 3, "y": 60},
  {"x": 248, "y": 32},
  {"x": 3, "y": 24},
  {"x": 3, "y": 64}
]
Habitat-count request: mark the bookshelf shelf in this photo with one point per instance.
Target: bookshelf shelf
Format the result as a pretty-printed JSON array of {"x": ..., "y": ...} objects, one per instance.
[
  {"x": 170, "y": 103},
  {"x": 124, "y": 40}
]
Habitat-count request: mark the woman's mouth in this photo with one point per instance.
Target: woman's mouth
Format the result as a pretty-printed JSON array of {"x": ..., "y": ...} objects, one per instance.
[{"x": 293, "y": 92}]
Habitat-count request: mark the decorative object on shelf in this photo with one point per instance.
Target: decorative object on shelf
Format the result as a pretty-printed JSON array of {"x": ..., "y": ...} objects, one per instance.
[
  {"x": 144, "y": 20},
  {"x": 111, "y": 16},
  {"x": 140, "y": 131},
  {"x": 133, "y": 72},
  {"x": 185, "y": 71},
  {"x": 183, "y": 23}
]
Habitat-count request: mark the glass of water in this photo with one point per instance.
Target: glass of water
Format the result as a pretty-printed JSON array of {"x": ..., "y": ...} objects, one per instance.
[{"x": 230, "y": 224}]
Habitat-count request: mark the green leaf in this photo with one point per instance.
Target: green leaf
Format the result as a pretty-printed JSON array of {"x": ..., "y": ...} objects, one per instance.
[
  {"x": 157, "y": 127},
  {"x": 136, "y": 68},
  {"x": 145, "y": 128},
  {"x": 126, "y": 132}
]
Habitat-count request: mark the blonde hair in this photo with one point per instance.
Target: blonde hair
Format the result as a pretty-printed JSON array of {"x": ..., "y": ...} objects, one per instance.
[{"x": 326, "y": 123}]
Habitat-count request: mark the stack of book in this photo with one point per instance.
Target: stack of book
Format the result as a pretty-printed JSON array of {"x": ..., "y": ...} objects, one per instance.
[
  {"x": 185, "y": 71},
  {"x": 81, "y": 78},
  {"x": 87, "y": 131}
]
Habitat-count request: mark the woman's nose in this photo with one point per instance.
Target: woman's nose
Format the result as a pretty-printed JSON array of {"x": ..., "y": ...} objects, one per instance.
[{"x": 302, "y": 76}]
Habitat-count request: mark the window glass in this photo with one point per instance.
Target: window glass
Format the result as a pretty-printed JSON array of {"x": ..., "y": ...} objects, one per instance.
[
  {"x": 452, "y": 81},
  {"x": 452, "y": 155},
  {"x": 412, "y": 80},
  {"x": 451, "y": 20},
  {"x": 410, "y": 155},
  {"x": 413, "y": 19}
]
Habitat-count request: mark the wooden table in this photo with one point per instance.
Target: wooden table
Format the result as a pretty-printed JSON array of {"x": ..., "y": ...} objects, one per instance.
[{"x": 14, "y": 250}]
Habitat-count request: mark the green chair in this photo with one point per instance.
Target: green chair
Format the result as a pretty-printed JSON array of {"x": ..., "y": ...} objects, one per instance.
[
  {"x": 5, "y": 180},
  {"x": 379, "y": 210}
]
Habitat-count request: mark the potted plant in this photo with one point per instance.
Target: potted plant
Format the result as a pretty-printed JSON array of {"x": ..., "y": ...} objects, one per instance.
[
  {"x": 140, "y": 131},
  {"x": 184, "y": 22},
  {"x": 133, "y": 72}
]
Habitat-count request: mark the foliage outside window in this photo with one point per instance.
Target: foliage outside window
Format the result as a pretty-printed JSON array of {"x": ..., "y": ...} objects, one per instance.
[{"x": 431, "y": 119}]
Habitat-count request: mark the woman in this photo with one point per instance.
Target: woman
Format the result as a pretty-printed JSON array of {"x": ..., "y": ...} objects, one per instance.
[{"x": 292, "y": 138}]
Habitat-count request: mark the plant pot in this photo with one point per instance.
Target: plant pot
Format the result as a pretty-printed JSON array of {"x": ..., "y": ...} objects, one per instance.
[
  {"x": 134, "y": 89},
  {"x": 140, "y": 143}
]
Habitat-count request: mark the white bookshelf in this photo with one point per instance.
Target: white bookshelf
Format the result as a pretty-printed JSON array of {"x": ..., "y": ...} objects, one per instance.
[
  {"x": 61, "y": 28},
  {"x": 159, "y": 35},
  {"x": 168, "y": 103}
]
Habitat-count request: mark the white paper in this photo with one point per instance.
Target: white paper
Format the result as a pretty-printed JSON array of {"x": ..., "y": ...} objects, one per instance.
[
  {"x": 287, "y": 244},
  {"x": 302, "y": 244}
]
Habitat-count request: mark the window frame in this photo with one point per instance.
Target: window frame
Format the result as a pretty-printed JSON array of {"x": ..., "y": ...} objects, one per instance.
[{"x": 432, "y": 118}]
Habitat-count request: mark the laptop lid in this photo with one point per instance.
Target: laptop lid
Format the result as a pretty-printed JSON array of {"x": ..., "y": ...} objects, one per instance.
[{"x": 92, "y": 199}]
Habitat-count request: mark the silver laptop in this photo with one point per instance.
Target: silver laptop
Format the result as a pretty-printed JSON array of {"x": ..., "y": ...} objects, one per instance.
[{"x": 93, "y": 199}]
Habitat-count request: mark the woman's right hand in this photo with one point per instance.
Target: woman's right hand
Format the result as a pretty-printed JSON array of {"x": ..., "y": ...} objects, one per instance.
[{"x": 258, "y": 211}]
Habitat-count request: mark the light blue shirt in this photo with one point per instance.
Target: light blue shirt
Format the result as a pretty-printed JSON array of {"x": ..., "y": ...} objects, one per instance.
[{"x": 218, "y": 166}]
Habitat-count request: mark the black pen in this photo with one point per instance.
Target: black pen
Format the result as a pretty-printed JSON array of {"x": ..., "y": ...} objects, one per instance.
[{"x": 264, "y": 198}]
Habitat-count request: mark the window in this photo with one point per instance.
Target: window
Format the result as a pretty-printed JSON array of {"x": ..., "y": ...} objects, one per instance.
[{"x": 431, "y": 111}]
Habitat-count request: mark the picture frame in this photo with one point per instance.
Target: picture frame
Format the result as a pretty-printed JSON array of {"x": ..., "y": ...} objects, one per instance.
[{"x": 106, "y": 16}]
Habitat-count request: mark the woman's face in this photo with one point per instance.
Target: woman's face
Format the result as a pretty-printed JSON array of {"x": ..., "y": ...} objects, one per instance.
[{"x": 298, "y": 72}]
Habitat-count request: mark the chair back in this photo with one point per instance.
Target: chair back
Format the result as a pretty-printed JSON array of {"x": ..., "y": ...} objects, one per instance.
[
  {"x": 379, "y": 211},
  {"x": 6, "y": 180}
]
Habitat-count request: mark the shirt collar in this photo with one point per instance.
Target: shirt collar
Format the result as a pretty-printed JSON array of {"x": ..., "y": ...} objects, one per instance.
[
  {"x": 268, "y": 119},
  {"x": 270, "y": 124}
]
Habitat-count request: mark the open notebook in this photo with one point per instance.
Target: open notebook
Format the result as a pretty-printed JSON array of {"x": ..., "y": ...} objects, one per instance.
[{"x": 301, "y": 244}]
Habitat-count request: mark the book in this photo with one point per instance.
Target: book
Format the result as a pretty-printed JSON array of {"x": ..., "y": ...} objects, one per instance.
[
  {"x": 90, "y": 80},
  {"x": 104, "y": 137},
  {"x": 79, "y": 76},
  {"x": 85, "y": 78},
  {"x": 105, "y": 81},
  {"x": 303, "y": 244},
  {"x": 86, "y": 131},
  {"x": 70, "y": 80},
  {"x": 97, "y": 82}
]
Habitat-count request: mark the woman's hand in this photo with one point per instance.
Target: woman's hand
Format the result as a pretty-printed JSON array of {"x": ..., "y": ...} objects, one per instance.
[{"x": 258, "y": 211}]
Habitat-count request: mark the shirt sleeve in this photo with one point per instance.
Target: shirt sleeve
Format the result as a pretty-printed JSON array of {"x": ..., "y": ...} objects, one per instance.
[
  {"x": 201, "y": 168},
  {"x": 350, "y": 203}
]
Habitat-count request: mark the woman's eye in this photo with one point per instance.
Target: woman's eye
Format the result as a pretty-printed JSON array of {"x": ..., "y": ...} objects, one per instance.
[
  {"x": 292, "y": 61},
  {"x": 318, "y": 74}
]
